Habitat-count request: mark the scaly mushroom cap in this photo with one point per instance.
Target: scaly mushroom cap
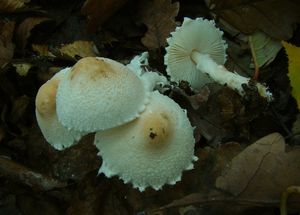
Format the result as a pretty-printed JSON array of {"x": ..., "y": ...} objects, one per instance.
[
  {"x": 152, "y": 150},
  {"x": 199, "y": 35},
  {"x": 98, "y": 94},
  {"x": 57, "y": 135}
]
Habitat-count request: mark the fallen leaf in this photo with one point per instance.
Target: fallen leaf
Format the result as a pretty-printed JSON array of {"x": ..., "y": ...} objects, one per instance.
[
  {"x": 159, "y": 17},
  {"x": 22, "y": 68},
  {"x": 200, "y": 97},
  {"x": 293, "y": 54},
  {"x": 14, "y": 171},
  {"x": 42, "y": 50},
  {"x": 79, "y": 48},
  {"x": 19, "y": 107},
  {"x": 264, "y": 48},
  {"x": 75, "y": 162},
  {"x": 24, "y": 29},
  {"x": 6, "y": 45},
  {"x": 262, "y": 171},
  {"x": 274, "y": 17},
  {"x": 99, "y": 11},
  {"x": 12, "y": 5}
]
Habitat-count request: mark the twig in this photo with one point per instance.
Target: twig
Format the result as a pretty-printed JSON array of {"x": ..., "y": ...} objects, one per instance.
[
  {"x": 23, "y": 175},
  {"x": 284, "y": 197},
  {"x": 256, "y": 66}
]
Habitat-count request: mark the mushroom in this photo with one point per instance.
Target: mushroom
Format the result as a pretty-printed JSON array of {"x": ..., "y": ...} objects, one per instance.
[
  {"x": 100, "y": 93},
  {"x": 198, "y": 45},
  {"x": 53, "y": 131},
  {"x": 139, "y": 65},
  {"x": 152, "y": 150}
]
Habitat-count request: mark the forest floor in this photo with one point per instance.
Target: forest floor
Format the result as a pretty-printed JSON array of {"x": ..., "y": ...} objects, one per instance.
[{"x": 247, "y": 148}]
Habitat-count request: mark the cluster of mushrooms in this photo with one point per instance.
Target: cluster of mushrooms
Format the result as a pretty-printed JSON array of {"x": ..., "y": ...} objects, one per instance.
[{"x": 143, "y": 136}]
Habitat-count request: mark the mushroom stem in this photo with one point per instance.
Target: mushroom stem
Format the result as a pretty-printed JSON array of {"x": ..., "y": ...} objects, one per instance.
[{"x": 222, "y": 76}]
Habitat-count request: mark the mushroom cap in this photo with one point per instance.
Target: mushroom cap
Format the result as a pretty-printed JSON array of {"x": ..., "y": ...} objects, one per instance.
[
  {"x": 98, "y": 94},
  {"x": 152, "y": 150},
  {"x": 199, "y": 35},
  {"x": 153, "y": 79},
  {"x": 53, "y": 131},
  {"x": 139, "y": 65}
]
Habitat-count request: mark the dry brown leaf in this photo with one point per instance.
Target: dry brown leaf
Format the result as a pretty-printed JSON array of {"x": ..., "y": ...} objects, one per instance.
[
  {"x": 159, "y": 16},
  {"x": 6, "y": 45},
  {"x": 274, "y": 17},
  {"x": 99, "y": 11},
  {"x": 262, "y": 171},
  {"x": 24, "y": 29},
  {"x": 42, "y": 50},
  {"x": 79, "y": 48},
  {"x": 12, "y": 5}
]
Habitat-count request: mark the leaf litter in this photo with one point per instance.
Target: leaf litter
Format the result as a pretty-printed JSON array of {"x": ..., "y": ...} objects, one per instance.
[{"x": 243, "y": 164}]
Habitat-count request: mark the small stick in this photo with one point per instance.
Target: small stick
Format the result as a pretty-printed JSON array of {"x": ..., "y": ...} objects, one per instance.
[{"x": 284, "y": 197}]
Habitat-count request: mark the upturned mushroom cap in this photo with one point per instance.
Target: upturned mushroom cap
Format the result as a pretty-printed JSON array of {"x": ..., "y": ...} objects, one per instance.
[
  {"x": 98, "y": 94},
  {"x": 57, "y": 135},
  {"x": 199, "y": 35},
  {"x": 152, "y": 150}
]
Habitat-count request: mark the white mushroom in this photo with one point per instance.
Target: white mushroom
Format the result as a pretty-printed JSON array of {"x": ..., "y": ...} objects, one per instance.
[
  {"x": 98, "y": 94},
  {"x": 57, "y": 135},
  {"x": 139, "y": 65},
  {"x": 152, "y": 150},
  {"x": 198, "y": 45}
]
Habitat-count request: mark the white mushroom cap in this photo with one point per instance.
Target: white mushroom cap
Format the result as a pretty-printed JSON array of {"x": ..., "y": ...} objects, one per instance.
[
  {"x": 154, "y": 79},
  {"x": 152, "y": 150},
  {"x": 139, "y": 65},
  {"x": 199, "y": 35},
  {"x": 57, "y": 135},
  {"x": 98, "y": 94}
]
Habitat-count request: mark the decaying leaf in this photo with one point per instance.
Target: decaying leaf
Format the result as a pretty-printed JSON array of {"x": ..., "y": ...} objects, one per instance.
[
  {"x": 24, "y": 29},
  {"x": 262, "y": 171},
  {"x": 12, "y": 5},
  {"x": 264, "y": 49},
  {"x": 22, "y": 68},
  {"x": 75, "y": 162},
  {"x": 14, "y": 171},
  {"x": 19, "y": 108},
  {"x": 274, "y": 17},
  {"x": 293, "y": 54},
  {"x": 98, "y": 11},
  {"x": 6, "y": 45},
  {"x": 79, "y": 48},
  {"x": 42, "y": 50},
  {"x": 159, "y": 17}
]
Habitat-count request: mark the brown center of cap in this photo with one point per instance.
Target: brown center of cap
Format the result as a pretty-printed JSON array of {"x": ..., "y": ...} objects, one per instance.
[
  {"x": 93, "y": 68},
  {"x": 156, "y": 128}
]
